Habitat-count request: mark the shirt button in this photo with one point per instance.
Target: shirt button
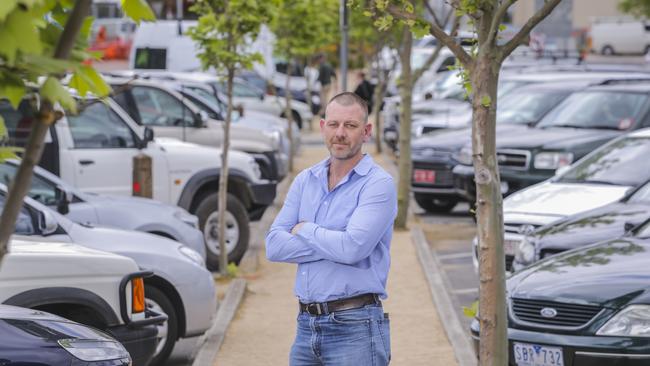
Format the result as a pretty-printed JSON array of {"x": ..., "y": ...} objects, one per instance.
[{"x": 304, "y": 273}]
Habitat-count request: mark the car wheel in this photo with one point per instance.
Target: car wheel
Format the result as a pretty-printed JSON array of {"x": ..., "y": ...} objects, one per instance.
[
  {"x": 435, "y": 204},
  {"x": 157, "y": 301},
  {"x": 607, "y": 50},
  {"x": 237, "y": 229}
]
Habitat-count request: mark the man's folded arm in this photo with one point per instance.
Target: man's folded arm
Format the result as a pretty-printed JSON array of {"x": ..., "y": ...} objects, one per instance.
[
  {"x": 281, "y": 245},
  {"x": 368, "y": 223}
]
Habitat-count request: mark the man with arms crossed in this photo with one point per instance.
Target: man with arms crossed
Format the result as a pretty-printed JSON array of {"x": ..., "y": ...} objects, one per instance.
[{"x": 336, "y": 224}]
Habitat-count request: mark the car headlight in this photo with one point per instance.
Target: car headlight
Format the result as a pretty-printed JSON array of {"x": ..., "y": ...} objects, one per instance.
[
  {"x": 257, "y": 173},
  {"x": 275, "y": 138},
  {"x": 552, "y": 160},
  {"x": 633, "y": 321},
  {"x": 525, "y": 251},
  {"x": 94, "y": 350},
  {"x": 192, "y": 255},
  {"x": 187, "y": 218},
  {"x": 464, "y": 156}
]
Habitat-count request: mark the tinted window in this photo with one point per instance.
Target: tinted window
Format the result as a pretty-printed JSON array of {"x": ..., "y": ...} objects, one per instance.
[
  {"x": 41, "y": 190},
  {"x": 24, "y": 222},
  {"x": 151, "y": 58},
  {"x": 598, "y": 109},
  {"x": 528, "y": 107},
  {"x": 159, "y": 108},
  {"x": 98, "y": 127},
  {"x": 623, "y": 162}
]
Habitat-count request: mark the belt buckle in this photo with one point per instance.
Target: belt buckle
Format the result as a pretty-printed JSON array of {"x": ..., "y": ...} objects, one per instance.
[{"x": 316, "y": 306}]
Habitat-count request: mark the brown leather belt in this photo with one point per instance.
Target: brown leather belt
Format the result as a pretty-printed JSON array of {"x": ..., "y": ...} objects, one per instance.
[{"x": 323, "y": 308}]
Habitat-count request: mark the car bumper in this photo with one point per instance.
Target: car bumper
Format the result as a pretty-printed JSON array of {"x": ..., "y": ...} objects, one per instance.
[
  {"x": 200, "y": 303},
  {"x": 577, "y": 350},
  {"x": 262, "y": 196},
  {"x": 140, "y": 342},
  {"x": 443, "y": 178}
]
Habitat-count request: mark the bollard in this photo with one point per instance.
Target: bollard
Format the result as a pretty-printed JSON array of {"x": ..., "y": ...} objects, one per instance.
[{"x": 142, "y": 176}]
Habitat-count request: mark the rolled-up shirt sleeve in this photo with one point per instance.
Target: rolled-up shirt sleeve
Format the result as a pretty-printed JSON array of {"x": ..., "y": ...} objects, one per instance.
[
  {"x": 281, "y": 245},
  {"x": 375, "y": 213}
]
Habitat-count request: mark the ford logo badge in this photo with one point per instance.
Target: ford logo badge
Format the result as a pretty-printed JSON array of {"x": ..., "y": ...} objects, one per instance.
[{"x": 548, "y": 312}]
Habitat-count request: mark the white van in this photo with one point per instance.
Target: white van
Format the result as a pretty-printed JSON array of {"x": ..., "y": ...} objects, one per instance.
[{"x": 619, "y": 35}]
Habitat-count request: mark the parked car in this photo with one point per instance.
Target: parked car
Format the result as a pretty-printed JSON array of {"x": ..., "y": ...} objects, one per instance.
[
  {"x": 152, "y": 104},
  {"x": 95, "y": 288},
  {"x": 600, "y": 224},
  {"x": 129, "y": 213},
  {"x": 584, "y": 307},
  {"x": 583, "y": 122},
  {"x": 33, "y": 337},
  {"x": 434, "y": 155},
  {"x": 94, "y": 152},
  {"x": 180, "y": 287},
  {"x": 602, "y": 177}
]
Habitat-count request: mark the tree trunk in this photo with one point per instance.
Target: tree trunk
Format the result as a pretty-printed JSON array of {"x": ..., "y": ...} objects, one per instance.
[
  {"x": 223, "y": 179},
  {"x": 45, "y": 117},
  {"x": 489, "y": 212},
  {"x": 308, "y": 96},
  {"x": 404, "y": 166},
  {"x": 288, "y": 115},
  {"x": 377, "y": 100}
]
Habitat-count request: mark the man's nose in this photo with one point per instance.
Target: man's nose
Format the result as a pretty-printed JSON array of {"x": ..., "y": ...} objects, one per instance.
[{"x": 340, "y": 131}]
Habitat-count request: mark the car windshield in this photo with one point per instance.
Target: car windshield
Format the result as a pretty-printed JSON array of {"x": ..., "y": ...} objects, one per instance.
[
  {"x": 621, "y": 162},
  {"x": 597, "y": 109},
  {"x": 528, "y": 107}
]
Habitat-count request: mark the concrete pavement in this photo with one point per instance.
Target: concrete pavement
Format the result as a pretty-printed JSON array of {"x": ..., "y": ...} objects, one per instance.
[{"x": 263, "y": 328}]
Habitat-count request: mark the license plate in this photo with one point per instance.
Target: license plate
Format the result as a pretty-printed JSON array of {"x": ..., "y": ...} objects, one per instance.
[
  {"x": 535, "y": 355},
  {"x": 424, "y": 176}
]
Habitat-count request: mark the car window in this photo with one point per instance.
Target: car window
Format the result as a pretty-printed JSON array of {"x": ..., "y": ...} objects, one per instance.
[
  {"x": 205, "y": 94},
  {"x": 243, "y": 90},
  {"x": 597, "y": 109},
  {"x": 99, "y": 127},
  {"x": 18, "y": 121},
  {"x": 159, "y": 108},
  {"x": 41, "y": 190},
  {"x": 528, "y": 107},
  {"x": 624, "y": 162},
  {"x": 211, "y": 110},
  {"x": 24, "y": 222}
]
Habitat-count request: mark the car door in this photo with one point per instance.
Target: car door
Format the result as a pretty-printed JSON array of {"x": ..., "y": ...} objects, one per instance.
[{"x": 103, "y": 149}]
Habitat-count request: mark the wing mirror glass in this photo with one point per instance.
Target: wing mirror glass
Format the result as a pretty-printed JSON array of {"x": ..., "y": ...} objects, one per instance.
[{"x": 63, "y": 199}]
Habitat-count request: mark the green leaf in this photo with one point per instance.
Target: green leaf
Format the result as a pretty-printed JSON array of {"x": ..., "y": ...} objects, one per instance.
[
  {"x": 420, "y": 29},
  {"x": 367, "y": 13},
  {"x": 53, "y": 91},
  {"x": 138, "y": 10},
  {"x": 10, "y": 152},
  {"x": 86, "y": 79},
  {"x": 13, "y": 92},
  {"x": 471, "y": 311},
  {"x": 6, "y": 7},
  {"x": 486, "y": 101},
  {"x": 502, "y": 27},
  {"x": 3, "y": 129}
]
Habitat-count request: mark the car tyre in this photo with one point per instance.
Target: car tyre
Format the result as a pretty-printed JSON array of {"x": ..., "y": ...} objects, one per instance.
[
  {"x": 237, "y": 228},
  {"x": 607, "y": 50},
  {"x": 167, "y": 331},
  {"x": 436, "y": 204}
]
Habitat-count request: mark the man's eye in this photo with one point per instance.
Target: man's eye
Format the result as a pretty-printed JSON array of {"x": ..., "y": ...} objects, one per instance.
[{"x": 350, "y": 125}]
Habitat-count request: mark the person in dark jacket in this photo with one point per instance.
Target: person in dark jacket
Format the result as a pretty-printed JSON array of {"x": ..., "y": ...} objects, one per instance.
[{"x": 365, "y": 90}]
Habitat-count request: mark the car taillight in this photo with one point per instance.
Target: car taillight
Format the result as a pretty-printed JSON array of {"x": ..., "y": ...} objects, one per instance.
[{"x": 137, "y": 286}]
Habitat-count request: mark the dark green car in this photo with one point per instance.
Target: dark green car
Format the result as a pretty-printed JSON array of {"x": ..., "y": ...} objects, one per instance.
[{"x": 589, "y": 306}]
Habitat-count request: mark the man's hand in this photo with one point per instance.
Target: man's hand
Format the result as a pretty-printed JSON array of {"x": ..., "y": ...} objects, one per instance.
[{"x": 296, "y": 228}]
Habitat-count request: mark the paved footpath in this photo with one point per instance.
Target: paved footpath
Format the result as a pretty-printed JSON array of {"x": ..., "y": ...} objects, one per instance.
[{"x": 264, "y": 326}]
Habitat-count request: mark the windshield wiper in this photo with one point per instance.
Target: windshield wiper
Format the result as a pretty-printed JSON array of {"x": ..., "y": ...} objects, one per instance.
[
  {"x": 564, "y": 125},
  {"x": 596, "y": 181}
]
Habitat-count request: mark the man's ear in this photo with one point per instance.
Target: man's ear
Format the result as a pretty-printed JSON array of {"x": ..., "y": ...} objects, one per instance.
[
  {"x": 322, "y": 123},
  {"x": 368, "y": 132}
]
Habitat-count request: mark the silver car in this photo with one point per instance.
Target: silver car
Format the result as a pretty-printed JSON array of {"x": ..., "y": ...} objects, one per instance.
[{"x": 129, "y": 213}]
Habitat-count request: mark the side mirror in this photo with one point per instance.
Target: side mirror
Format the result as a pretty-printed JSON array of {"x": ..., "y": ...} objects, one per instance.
[
  {"x": 428, "y": 96},
  {"x": 148, "y": 137},
  {"x": 201, "y": 118},
  {"x": 63, "y": 199},
  {"x": 629, "y": 226},
  {"x": 47, "y": 223}
]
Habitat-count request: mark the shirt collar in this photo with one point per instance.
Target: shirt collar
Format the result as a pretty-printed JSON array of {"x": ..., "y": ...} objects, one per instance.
[{"x": 362, "y": 168}]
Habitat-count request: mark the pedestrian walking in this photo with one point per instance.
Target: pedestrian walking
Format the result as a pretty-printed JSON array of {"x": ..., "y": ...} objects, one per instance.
[
  {"x": 365, "y": 90},
  {"x": 325, "y": 75},
  {"x": 336, "y": 224}
]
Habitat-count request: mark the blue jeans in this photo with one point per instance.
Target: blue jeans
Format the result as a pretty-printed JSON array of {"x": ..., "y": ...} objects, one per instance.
[{"x": 356, "y": 337}]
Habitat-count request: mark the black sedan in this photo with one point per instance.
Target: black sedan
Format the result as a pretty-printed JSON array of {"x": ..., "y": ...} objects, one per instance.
[
  {"x": 600, "y": 224},
  {"x": 32, "y": 337},
  {"x": 589, "y": 306}
]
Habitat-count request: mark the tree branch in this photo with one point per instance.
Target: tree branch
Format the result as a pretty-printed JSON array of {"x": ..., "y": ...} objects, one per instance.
[
  {"x": 418, "y": 73},
  {"x": 433, "y": 13},
  {"x": 549, "y": 5},
  {"x": 496, "y": 20},
  {"x": 437, "y": 32}
]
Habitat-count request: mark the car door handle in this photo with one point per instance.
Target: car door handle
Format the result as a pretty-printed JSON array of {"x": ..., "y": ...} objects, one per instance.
[{"x": 86, "y": 162}]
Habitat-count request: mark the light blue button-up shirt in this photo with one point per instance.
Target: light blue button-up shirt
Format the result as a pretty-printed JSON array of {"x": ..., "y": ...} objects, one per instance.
[{"x": 343, "y": 247}]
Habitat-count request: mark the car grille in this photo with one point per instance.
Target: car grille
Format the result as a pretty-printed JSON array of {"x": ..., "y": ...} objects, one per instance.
[
  {"x": 568, "y": 315},
  {"x": 514, "y": 159}
]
